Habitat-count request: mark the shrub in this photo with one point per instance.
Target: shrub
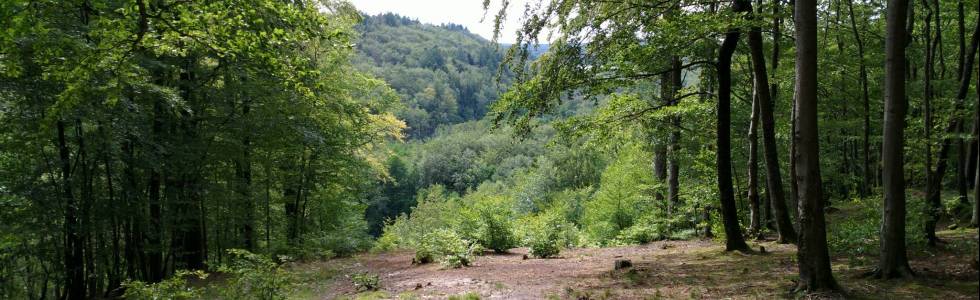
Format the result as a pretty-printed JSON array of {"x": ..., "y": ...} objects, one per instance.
[
  {"x": 639, "y": 234},
  {"x": 446, "y": 247},
  {"x": 431, "y": 212},
  {"x": 547, "y": 233},
  {"x": 255, "y": 276},
  {"x": 174, "y": 287},
  {"x": 623, "y": 196},
  {"x": 366, "y": 281},
  {"x": 495, "y": 230}
]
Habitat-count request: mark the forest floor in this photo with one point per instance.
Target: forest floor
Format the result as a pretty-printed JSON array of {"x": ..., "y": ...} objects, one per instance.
[{"x": 697, "y": 269}]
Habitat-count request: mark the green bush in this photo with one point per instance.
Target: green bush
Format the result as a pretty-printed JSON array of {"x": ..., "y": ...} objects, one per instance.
[
  {"x": 623, "y": 197},
  {"x": 255, "y": 276},
  {"x": 366, "y": 281},
  {"x": 431, "y": 212},
  {"x": 640, "y": 234},
  {"x": 547, "y": 233},
  {"x": 175, "y": 288},
  {"x": 446, "y": 247},
  {"x": 495, "y": 229}
]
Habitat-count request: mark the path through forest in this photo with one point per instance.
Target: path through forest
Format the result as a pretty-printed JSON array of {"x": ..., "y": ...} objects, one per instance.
[{"x": 665, "y": 269}]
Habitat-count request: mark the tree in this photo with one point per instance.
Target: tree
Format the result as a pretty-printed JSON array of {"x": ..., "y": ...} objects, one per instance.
[
  {"x": 813, "y": 256},
  {"x": 893, "y": 260},
  {"x": 774, "y": 181},
  {"x": 723, "y": 142}
]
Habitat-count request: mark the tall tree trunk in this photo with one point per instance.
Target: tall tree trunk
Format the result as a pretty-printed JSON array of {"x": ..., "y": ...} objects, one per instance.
[
  {"x": 932, "y": 212},
  {"x": 774, "y": 182},
  {"x": 733, "y": 233},
  {"x": 660, "y": 149},
  {"x": 755, "y": 217},
  {"x": 73, "y": 250},
  {"x": 673, "y": 148},
  {"x": 154, "y": 251},
  {"x": 813, "y": 255},
  {"x": 893, "y": 259},
  {"x": 660, "y": 168},
  {"x": 245, "y": 181}
]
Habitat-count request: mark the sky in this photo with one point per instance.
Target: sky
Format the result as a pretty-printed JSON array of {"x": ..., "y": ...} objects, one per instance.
[{"x": 468, "y": 13}]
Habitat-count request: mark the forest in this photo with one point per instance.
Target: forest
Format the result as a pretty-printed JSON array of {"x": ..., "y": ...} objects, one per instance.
[{"x": 629, "y": 149}]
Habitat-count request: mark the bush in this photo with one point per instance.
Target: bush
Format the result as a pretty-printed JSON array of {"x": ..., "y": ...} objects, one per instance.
[
  {"x": 431, "y": 212},
  {"x": 547, "y": 233},
  {"x": 446, "y": 247},
  {"x": 495, "y": 228},
  {"x": 640, "y": 234},
  {"x": 255, "y": 276},
  {"x": 624, "y": 195},
  {"x": 366, "y": 282},
  {"x": 174, "y": 287}
]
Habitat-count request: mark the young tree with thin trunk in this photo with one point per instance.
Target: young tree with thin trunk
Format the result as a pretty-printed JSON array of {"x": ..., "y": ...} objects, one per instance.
[
  {"x": 774, "y": 181},
  {"x": 755, "y": 217},
  {"x": 893, "y": 259},
  {"x": 733, "y": 232}
]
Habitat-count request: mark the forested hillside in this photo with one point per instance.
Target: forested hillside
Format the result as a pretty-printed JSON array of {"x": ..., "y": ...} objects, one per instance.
[{"x": 443, "y": 73}]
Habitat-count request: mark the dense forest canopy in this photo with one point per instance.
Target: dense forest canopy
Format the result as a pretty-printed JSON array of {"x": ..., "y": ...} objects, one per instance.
[{"x": 145, "y": 144}]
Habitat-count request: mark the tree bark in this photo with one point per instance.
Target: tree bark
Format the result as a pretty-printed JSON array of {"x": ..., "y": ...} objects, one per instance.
[
  {"x": 932, "y": 209},
  {"x": 774, "y": 182},
  {"x": 893, "y": 259},
  {"x": 673, "y": 149},
  {"x": 733, "y": 233},
  {"x": 754, "y": 214},
  {"x": 813, "y": 255}
]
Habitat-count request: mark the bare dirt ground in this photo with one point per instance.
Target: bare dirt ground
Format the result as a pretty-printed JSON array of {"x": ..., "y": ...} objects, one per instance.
[{"x": 665, "y": 269}]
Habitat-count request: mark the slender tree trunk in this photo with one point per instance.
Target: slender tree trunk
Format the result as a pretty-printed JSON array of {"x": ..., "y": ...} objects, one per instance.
[
  {"x": 813, "y": 255},
  {"x": 660, "y": 168},
  {"x": 863, "y": 73},
  {"x": 754, "y": 213},
  {"x": 932, "y": 212},
  {"x": 245, "y": 178},
  {"x": 660, "y": 149},
  {"x": 774, "y": 182},
  {"x": 73, "y": 252},
  {"x": 673, "y": 149},
  {"x": 893, "y": 260},
  {"x": 733, "y": 232}
]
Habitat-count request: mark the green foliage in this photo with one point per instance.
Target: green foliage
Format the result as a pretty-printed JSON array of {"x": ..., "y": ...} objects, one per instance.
[
  {"x": 366, "y": 281},
  {"x": 622, "y": 198},
  {"x": 466, "y": 296},
  {"x": 446, "y": 247},
  {"x": 255, "y": 276},
  {"x": 443, "y": 74},
  {"x": 853, "y": 232},
  {"x": 546, "y": 234},
  {"x": 175, "y": 288},
  {"x": 496, "y": 229}
]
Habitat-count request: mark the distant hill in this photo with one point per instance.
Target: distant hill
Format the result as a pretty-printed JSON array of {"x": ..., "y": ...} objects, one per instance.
[{"x": 443, "y": 73}]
